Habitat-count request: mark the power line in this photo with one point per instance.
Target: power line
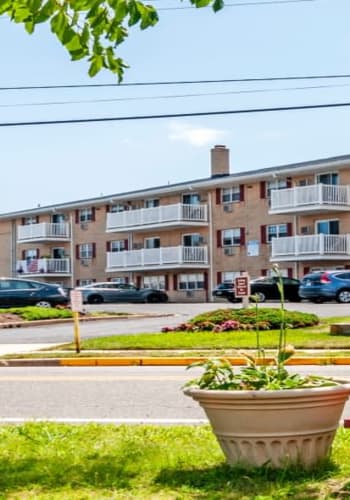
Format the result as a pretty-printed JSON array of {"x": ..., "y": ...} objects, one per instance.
[
  {"x": 173, "y": 96},
  {"x": 241, "y": 4},
  {"x": 178, "y": 82},
  {"x": 176, "y": 115}
]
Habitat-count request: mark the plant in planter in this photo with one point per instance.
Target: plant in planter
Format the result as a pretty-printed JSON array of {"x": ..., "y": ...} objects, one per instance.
[{"x": 264, "y": 415}]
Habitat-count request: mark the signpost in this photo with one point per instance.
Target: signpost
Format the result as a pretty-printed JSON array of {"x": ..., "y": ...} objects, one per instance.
[
  {"x": 76, "y": 300},
  {"x": 242, "y": 288}
]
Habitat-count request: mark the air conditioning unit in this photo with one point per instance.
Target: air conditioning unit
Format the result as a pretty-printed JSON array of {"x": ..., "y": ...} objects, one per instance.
[
  {"x": 84, "y": 225},
  {"x": 306, "y": 230},
  {"x": 229, "y": 251},
  {"x": 189, "y": 293},
  {"x": 228, "y": 208},
  {"x": 85, "y": 262},
  {"x": 137, "y": 246}
]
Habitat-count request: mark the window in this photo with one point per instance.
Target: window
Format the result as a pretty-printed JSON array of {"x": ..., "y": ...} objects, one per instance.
[
  {"x": 86, "y": 251},
  {"x": 231, "y": 194},
  {"x": 86, "y": 215},
  {"x": 85, "y": 282},
  {"x": 272, "y": 274},
  {"x": 30, "y": 220},
  {"x": 276, "y": 231},
  {"x": 191, "y": 281},
  {"x": 327, "y": 227},
  {"x": 191, "y": 199},
  {"x": 118, "y": 207},
  {"x": 331, "y": 178},
  {"x": 31, "y": 253},
  {"x": 275, "y": 184},
  {"x": 229, "y": 276},
  {"x": 192, "y": 240},
  {"x": 152, "y": 242},
  {"x": 58, "y": 218},
  {"x": 151, "y": 203},
  {"x": 231, "y": 237},
  {"x": 156, "y": 282},
  {"x": 118, "y": 246}
]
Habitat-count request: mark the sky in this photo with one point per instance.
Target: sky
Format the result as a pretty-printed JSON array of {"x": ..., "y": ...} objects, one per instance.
[{"x": 48, "y": 164}]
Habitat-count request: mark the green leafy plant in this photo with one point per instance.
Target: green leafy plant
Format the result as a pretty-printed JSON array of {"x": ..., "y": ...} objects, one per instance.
[{"x": 259, "y": 373}]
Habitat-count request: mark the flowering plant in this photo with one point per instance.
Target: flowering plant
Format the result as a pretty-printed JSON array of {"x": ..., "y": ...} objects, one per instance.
[{"x": 259, "y": 373}]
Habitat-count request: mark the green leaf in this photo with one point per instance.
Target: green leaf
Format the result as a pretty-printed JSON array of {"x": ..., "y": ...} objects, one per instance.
[
  {"x": 59, "y": 23},
  {"x": 96, "y": 65},
  {"x": 218, "y": 5},
  {"x": 29, "y": 26}
]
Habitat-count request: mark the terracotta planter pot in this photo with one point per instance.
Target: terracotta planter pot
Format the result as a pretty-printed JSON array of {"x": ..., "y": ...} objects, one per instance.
[{"x": 278, "y": 428}]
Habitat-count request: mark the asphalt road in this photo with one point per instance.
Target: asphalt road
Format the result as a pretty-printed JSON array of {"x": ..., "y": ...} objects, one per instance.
[
  {"x": 178, "y": 313},
  {"x": 127, "y": 394}
]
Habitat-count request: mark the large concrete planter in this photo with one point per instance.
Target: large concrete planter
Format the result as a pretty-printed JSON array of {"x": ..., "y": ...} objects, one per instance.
[{"x": 277, "y": 428}]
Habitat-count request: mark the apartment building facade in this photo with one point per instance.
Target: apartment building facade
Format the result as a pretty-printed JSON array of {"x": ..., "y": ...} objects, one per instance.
[{"x": 187, "y": 237}]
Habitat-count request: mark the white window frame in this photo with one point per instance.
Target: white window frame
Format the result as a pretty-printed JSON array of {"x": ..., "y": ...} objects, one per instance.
[
  {"x": 196, "y": 239},
  {"x": 275, "y": 184},
  {"x": 156, "y": 282},
  {"x": 230, "y": 276},
  {"x": 117, "y": 207},
  {"x": 152, "y": 203},
  {"x": 193, "y": 281},
  {"x": 117, "y": 246},
  {"x": 85, "y": 214},
  {"x": 335, "y": 176},
  {"x": 87, "y": 281},
  {"x": 149, "y": 243},
  {"x": 30, "y": 254},
  {"x": 231, "y": 194},
  {"x": 28, "y": 221},
  {"x": 86, "y": 251},
  {"x": 328, "y": 222},
  {"x": 280, "y": 232},
  {"x": 231, "y": 237}
]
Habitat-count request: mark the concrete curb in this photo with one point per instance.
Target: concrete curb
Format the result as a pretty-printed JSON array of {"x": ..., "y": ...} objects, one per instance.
[
  {"x": 153, "y": 361},
  {"x": 45, "y": 322}
]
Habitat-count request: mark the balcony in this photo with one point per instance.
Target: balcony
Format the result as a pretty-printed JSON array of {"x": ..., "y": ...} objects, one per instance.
[
  {"x": 44, "y": 231},
  {"x": 311, "y": 247},
  {"x": 164, "y": 216},
  {"x": 158, "y": 258},
  {"x": 43, "y": 267},
  {"x": 316, "y": 198}
]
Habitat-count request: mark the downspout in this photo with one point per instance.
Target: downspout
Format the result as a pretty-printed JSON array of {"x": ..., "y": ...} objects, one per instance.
[
  {"x": 210, "y": 248},
  {"x": 72, "y": 254}
]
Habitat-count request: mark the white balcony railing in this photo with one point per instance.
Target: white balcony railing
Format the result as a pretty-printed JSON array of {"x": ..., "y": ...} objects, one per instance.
[
  {"x": 311, "y": 246},
  {"x": 46, "y": 266},
  {"x": 44, "y": 231},
  {"x": 164, "y": 214},
  {"x": 310, "y": 196},
  {"x": 164, "y": 256}
]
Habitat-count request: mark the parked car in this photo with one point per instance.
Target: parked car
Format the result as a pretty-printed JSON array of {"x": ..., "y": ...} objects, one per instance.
[
  {"x": 265, "y": 288},
  {"x": 97, "y": 293},
  {"x": 21, "y": 292},
  {"x": 321, "y": 286}
]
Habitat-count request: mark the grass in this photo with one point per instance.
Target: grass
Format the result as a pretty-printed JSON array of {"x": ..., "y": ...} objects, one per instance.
[
  {"x": 316, "y": 337},
  {"x": 50, "y": 461}
]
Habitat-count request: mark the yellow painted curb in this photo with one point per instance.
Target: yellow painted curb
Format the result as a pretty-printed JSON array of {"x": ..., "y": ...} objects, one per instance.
[{"x": 177, "y": 361}]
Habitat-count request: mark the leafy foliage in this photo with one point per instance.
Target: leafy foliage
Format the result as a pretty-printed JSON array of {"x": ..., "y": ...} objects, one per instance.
[
  {"x": 90, "y": 29},
  {"x": 36, "y": 313}
]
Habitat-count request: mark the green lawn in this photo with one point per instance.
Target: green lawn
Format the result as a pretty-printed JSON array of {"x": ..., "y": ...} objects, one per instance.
[
  {"x": 47, "y": 461},
  {"x": 317, "y": 337}
]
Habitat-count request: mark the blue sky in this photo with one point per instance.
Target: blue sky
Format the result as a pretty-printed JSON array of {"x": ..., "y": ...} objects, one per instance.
[{"x": 51, "y": 164}]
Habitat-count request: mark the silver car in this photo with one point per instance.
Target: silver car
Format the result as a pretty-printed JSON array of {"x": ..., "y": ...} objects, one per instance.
[{"x": 98, "y": 293}]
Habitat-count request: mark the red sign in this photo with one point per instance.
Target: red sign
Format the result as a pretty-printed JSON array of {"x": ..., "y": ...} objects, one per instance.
[{"x": 242, "y": 288}]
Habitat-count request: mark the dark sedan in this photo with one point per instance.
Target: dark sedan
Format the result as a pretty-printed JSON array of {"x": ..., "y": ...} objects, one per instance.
[
  {"x": 264, "y": 288},
  {"x": 20, "y": 292},
  {"x": 98, "y": 293}
]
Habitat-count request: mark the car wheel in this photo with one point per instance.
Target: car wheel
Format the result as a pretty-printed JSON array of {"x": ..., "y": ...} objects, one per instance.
[
  {"x": 43, "y": 303},
  {"x": 153, "y": 299},
  {"x": 343, "y": 296},
  {"x": 95, "y": 299},
  {"x": 261, "y": 297},
  {"x": 317, "y": 300}
]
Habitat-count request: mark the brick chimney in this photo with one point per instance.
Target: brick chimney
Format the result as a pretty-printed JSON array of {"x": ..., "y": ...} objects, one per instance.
[{"x": 220, "y": 163}]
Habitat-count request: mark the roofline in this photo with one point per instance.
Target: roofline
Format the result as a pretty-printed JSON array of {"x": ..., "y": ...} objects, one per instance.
[{"x": 259, "y": 174}]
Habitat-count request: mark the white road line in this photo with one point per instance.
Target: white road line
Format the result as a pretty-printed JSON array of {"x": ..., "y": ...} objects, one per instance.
[
  {"x": 91, "y": 378},
  {"x": 151, "y": 421}
]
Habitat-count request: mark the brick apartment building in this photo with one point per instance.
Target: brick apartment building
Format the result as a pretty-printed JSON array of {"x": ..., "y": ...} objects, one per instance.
[{"x": 188, "y": 237}]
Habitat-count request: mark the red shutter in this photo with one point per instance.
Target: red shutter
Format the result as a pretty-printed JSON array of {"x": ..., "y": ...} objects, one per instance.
[
  {"x": 77, "y": 282},
  {"x": 126, "y": 279},
  {"x": 93, "y": 214},
  {"x": 263, "y": 234},
  {"x": 77, "y": 251},
  {"x": 306, "y": 270},
  {"x": 262, "y": 189},
  {"x": 23, "y": 254},
  {"x": 108, "y": 246},
  {"x": 218, "y": 238},
  {"x": 218, "y": 277},
  {"x": 174, "y": 281},
  {"x": 264, "y": 272},
  {"x": 242, "y": 237},
  {"x": 37, "y": 253},
  {"x": 166, "y": 284},
  {"x": 108, "y": 208},
  {"x": 241, "y": 192},
  {"x": 93, "y": 250},
  {"x": 205, "y": 281},
  {"x": 289, "y": 229},
  {"x": 218, "y": 196},
  {"x": 289, "y": 182},
  {"x": 290, "y": 272},
  {"x": 126, "y": 244},
  {"x": 37, "y": 219},
  {"x": 138, "y": 281},
  {"x": 23, "y": 221},
  {"x": 77, "y": 218}
]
